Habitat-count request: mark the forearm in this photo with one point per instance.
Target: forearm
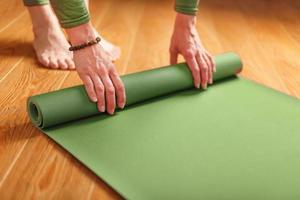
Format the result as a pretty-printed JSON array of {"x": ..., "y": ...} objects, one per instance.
[
  {"x": 71, "y": 13},
  {"x": 189, "y": 7},
  {"x": 81, "y": 33}
]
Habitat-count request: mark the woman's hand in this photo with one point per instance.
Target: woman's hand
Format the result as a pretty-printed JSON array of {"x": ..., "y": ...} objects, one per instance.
[
  {"x": 97, "y": 71},
  {"x": 185, "y": 41}
]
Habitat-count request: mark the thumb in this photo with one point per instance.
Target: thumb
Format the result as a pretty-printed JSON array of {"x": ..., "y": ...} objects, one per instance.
[{"x": 173, "y": 56}]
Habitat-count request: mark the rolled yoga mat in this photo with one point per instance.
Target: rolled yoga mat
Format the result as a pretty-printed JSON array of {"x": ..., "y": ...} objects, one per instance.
[
  {"x": 72, "y": 103},
  {"x": 236, "y": 140}
]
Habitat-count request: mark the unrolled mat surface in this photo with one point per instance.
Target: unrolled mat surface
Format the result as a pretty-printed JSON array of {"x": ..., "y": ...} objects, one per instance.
[{"x": 236, "y": 140}]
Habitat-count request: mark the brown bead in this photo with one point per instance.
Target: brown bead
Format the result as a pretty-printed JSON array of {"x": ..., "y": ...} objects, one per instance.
[{"x": 86, "y": 44}]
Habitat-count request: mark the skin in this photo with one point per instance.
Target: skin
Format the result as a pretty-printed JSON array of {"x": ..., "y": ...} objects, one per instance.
[
  {"x": 94, "y": 64},
  {"x": 186, "y": 41},
  {"x": 97, "y": 71},
  {"x": 50, "y": 44}
]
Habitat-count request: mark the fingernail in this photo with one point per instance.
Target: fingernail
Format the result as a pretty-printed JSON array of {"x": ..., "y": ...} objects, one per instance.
[
  {"x": 210, "y": 81},
  {"x": 94, "y": 99},
  {"x": 111, "y": 112},
  {"x": 102, "y": 108},
  {"x": 205, "y": 86},
  {"x": 198, "y": 86},
  {"x": 122, "y": 105}
]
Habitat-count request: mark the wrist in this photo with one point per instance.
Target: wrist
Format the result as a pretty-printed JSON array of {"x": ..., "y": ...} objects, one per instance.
[
  {"x": 81, "y": 34},
  {"x": 184, "y": 21}
]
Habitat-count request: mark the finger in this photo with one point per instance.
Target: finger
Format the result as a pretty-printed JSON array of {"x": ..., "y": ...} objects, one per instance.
[
  {"x": 203, "y": 70},
  {"x": 89, "y": 87},
  {"x": 110, "y": 96},
  {"x": 193, "y": 66},
  {"x": 173, "y": 56},
  {"x": 119, "y": 87},
  {"x": 210, "y": 68},
  {"x": 212, "y": 61},
  {"x": 99, "y": 89}
]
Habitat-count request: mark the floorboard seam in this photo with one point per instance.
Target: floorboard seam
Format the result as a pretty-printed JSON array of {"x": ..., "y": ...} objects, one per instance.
[
  {"x": 12, "y": 69},
  {"x": 131, "y": 45},
  {"x": 12, "y": 21},
  {"x": 12, "y": 164}
]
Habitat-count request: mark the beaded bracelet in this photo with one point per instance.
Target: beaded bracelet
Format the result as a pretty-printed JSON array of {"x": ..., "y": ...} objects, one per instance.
[{"x": 82, "y": 46}]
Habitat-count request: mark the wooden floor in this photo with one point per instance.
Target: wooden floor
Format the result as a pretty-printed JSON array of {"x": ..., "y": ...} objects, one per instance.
[{"x": 266, "y": 33}]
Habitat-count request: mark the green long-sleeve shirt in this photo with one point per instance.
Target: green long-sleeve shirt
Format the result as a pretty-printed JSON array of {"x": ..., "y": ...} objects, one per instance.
[{"x": 71, "y": 13}]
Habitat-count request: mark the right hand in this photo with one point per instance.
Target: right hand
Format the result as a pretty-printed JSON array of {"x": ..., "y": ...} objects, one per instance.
[
  {"x": 186, "y": 41},
  {"x": 99, "y": 75}
]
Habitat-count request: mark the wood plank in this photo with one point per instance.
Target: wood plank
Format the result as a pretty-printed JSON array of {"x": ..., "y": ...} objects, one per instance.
[
  {"x": 121, "y": 28},
  {"x": 151, "y": 47},
  {"x": 256, "y": 41},
  {"x": 15, "y": 43},
  {"x": 16, "y": 132},
  {"x": 266, "y": 35},
  {"x": 55, "y": 172},
  {"x": 109, "y": 27},
  {"x": 10, "y": 12}
]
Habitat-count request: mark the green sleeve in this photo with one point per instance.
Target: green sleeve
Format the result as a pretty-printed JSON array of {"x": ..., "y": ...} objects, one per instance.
[
  {"x": 35, "y": 2},
  {"x": 189, "y": 7},
  {"x": 70, "y": 13}
]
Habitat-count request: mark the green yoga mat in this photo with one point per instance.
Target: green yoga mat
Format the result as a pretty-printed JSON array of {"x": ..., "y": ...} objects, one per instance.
[{"x": 236, "y": 140}]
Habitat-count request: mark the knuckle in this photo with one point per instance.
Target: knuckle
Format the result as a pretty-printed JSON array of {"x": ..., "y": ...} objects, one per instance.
[
  {"x": 114, "y": 72},
  {"x": 189, "y": 54},
  {"x": 204, "y": 68},
  {"x": 90, "y": 92},
  {"x": 89, "y": 85},
  {"x": 120, "y": 87},
  {"x": 102, "y": 70},
  {"x": 110, "y": 90},
  {"x": 196, "y": 70},
  {"x": 90, "y": 89},
  {"x": 99, "y": 87}
]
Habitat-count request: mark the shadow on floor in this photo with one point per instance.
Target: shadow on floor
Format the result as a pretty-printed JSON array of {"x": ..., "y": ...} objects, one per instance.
[
  {"x": 16, "y": 48},
  {"x": 12, "y": 132}
]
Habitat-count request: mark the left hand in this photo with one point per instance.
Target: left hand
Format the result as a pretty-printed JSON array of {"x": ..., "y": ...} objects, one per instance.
[
  {"x": 185, "y": 41},
  {"x": 97, "y": 71}
]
